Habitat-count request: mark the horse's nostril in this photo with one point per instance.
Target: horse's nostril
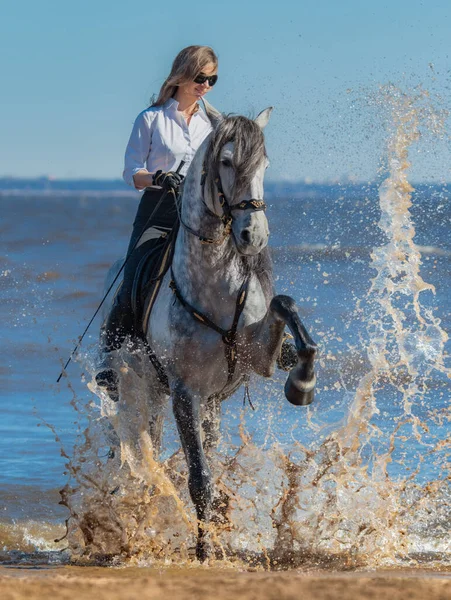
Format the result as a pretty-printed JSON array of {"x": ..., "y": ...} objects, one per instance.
[{"x": 246, "y": 236}]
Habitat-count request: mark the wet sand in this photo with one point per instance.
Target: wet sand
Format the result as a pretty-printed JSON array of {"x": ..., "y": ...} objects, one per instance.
[{"x": 83, "y": 583}]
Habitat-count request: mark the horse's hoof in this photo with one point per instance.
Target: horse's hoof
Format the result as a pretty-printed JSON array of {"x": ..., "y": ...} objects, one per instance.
[
  {"x": 108, "y": 379},
  {"x": 288, "y": 357},
  {"x": 298, "y": 393}
]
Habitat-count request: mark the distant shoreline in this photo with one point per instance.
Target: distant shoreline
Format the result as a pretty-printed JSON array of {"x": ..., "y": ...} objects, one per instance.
[{"x": 10, "y": 186}]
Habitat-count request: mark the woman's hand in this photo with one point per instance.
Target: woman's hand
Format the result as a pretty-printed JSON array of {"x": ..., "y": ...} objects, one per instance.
[{"x": 169, "y": 181}]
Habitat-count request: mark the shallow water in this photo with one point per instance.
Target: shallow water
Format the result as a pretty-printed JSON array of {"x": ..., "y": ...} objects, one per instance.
[{"x": 360, "y": 477}]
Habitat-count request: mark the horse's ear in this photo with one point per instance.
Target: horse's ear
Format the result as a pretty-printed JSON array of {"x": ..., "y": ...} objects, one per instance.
[
  {"x": 263, "y": 117},
  {"x": 214, "y": 115}
]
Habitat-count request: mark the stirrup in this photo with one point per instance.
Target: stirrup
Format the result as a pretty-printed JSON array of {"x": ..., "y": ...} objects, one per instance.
[{"x": 109, "y": 380}]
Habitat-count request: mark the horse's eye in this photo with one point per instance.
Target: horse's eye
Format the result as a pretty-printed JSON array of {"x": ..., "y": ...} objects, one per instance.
[{"x": 226, "y": 162}]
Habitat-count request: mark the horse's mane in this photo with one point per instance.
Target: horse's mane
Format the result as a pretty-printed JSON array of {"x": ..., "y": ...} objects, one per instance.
[{"x": 249, "y": 152}]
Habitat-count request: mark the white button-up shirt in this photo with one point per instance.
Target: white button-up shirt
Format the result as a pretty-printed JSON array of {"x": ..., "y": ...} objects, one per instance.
[{"x": 161, "y": 138}]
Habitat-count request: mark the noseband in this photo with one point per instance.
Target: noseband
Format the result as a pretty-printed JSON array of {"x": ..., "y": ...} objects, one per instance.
[{"x": 227, "y": 216}]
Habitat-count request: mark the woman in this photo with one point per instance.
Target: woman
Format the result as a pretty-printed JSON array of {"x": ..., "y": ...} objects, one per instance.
[{"x": 165, "y": 134}]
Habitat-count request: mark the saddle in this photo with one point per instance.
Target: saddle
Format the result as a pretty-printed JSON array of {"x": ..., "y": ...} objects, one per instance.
[{"x": 156, "y": 260}]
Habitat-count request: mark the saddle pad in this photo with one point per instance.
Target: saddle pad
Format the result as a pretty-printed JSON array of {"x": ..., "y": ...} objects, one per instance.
[{"x": 151, "y": 269}]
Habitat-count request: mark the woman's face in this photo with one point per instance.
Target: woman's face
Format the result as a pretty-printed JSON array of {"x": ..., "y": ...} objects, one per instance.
[{"x": 194, "y": 90}]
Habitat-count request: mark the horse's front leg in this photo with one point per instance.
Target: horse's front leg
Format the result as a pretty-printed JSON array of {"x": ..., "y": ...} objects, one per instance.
[
  {"x": 300, "y": 385},
  {"x": 299, "y": 388},
  {"x": 186, "y": 406},
  {"x": 211, "y": 424}
]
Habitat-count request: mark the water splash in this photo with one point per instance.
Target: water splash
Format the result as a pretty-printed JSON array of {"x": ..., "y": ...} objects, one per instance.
[
  {"x": 406, "y": 342},
  {"x": 365, "y": 494},
  {"x": 361, "y": 508}
]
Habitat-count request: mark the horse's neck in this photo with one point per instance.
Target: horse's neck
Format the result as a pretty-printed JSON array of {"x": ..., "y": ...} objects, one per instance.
[
  {"x": 206, "y": 263},
  {"x": 205, "y": 272},
  {"x": 199, "y": 264}
]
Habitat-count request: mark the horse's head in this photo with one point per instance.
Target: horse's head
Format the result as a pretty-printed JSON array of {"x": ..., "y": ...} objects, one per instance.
[{"x": 235, "y": 165}]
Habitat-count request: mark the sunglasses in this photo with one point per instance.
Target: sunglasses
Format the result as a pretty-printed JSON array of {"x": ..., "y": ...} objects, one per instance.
[{"x": 212, "y": 79}]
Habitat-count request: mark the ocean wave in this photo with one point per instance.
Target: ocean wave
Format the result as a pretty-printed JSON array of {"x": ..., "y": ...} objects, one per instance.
[{"x": 345, "y": 251}]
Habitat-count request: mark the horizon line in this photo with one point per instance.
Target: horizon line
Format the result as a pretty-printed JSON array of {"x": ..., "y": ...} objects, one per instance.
[{"x": 307, "y": 180}]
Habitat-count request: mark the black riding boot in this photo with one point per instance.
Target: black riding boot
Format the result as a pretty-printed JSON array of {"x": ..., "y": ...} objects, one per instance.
[{"x": 119, "y": 324}]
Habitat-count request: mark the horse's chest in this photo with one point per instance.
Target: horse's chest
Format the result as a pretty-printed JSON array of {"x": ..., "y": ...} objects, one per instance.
[
  {"x": 255, "y": 308},
  {"x": 199, "y": 353}
]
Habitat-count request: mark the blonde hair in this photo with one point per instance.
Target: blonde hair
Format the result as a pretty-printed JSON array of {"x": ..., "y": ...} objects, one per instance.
[{"x": 187, "y": 65}]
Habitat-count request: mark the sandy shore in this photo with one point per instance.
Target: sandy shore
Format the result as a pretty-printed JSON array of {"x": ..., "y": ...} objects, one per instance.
[{"x": 83, "y": 583}]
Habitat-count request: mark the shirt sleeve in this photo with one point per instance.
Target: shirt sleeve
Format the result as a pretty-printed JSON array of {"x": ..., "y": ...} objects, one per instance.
[{"x": 138, "y": 147}]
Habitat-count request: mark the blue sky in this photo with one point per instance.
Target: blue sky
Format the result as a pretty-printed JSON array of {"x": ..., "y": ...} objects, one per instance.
[{"x": 76, "y": 74}]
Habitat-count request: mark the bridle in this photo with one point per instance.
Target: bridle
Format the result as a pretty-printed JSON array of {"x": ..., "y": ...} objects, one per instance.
[{"x": 227, "y": 216}]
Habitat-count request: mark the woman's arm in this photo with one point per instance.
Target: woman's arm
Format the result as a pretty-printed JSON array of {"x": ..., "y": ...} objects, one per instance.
[
  {"x": 137, "y": 151},
  {"x": 142, "y": 179}
]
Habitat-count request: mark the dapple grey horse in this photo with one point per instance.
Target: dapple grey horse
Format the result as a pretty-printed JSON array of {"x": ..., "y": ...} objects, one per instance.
[{"x": 216, "y": 319}]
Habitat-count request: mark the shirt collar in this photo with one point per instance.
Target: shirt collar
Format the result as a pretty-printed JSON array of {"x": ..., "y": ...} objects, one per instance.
[
  {"x": 173, "y": 105},
  {"x": 204, "y": 115}
]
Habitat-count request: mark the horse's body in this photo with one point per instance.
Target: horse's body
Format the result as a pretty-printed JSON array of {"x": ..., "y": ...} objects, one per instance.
[{"x": 210, "y": 277}]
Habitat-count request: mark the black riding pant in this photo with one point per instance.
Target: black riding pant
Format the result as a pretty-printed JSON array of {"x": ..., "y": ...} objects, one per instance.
[{"x": 121, "y": 321}]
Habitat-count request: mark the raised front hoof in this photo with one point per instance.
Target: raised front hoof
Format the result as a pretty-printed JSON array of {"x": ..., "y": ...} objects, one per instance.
[{"x": 299, "y": 395}]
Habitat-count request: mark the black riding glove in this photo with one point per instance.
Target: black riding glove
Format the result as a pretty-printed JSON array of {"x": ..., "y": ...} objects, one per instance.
[{"x": 168, "y": 181}]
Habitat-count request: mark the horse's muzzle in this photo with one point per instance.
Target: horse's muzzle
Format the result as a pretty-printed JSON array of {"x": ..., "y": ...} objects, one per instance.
[{"x": 249, "y": 242}]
